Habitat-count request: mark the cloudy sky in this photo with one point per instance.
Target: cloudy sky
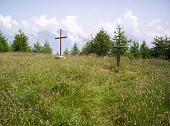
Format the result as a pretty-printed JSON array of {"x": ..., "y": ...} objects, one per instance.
[{"x": 141, "y": 19}]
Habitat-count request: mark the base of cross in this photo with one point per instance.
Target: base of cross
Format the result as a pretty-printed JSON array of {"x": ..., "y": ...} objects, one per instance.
[{"x": 60, "y": 57}]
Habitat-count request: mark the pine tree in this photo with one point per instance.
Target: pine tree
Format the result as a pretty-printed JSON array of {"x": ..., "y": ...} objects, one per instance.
[
  {"x": 4, "y": 47},
  {"x": 66, "y": 52},
  {"x": 102, "y": 43},
  {"x": 46, "y": 48},
  {"x": 120, "y": 40},
  {"x": 88, "y": 48},
  {"x": 20, "y": 42},
  {"x": 75, "y": 50},
  {"x": 161, "y": 47},
  {"x": 37, "y": 47},
  {"x": 167, "y": 49},
  {"x": 134, "y": 49},
  {"x": 144, "y": 50}
]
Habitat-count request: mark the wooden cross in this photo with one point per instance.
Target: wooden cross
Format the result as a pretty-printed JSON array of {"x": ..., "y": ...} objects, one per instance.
[
  {"x": 61, "y": 37},
  {"x": 118, "y": 48}
]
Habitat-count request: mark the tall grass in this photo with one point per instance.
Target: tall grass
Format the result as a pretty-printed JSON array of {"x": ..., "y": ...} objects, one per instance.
[{"x": 37, "y": 89}]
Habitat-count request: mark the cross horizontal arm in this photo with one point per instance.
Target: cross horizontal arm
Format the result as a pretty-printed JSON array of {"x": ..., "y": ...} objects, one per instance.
[{"x": 61, "y": 37}]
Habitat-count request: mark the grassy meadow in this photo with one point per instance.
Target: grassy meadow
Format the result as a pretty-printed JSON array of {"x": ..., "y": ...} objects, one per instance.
[{"x": 37, "y": 89}]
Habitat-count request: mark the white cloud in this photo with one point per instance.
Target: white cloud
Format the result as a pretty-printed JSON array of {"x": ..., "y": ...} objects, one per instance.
[
  {"x": 43, "y": 23},
  {"x": 154, "y": 22},
  {"x": 132, "y": 26},
  {"x": 75, "y": 31},
  {"x": 8, "y": 24},
  {"x": 129, "y": 21},
  {"x": 109, "y": 27},
  {"x": 155, "y": 28}
]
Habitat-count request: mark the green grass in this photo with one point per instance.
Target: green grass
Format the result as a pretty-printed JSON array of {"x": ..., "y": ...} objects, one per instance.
[{"x": 37, "y": 89}]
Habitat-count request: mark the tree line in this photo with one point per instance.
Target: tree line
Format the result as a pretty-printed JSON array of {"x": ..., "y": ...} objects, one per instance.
[
  {"x": 101, "y": 45},
  {"x": 20, "y": 44}
]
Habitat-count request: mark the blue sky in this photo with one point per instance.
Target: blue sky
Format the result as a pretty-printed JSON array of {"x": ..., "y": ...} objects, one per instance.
[{"x": 81, "y": 18}]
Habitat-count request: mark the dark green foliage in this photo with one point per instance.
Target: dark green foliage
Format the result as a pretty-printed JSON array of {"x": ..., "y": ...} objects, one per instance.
[
  {"x": 134, "y": 49},
  {"x": 120, "y": 40},
  {"x": 42, "y": 49},
  {"x": 102, "y": 43},
  {"x": 20, "y": 43},
  {"x": 37, "y": 47},
  {"x": 161, "y": 47},
  {"x": 66, "y": 52},
  {"x": 75, "y": 50},
  {"x": 88, "y": 48},
  {"x": 4, "y": 47},
  {"x": 46, "y": 48},
  {"x": 144, "y": 50}
]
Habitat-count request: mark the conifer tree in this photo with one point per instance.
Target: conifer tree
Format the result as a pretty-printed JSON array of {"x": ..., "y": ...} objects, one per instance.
[
  {"x": 66, "y": 52},
  {"x": 20, "y": 42},
  {"x": 144, "y": 50},
  {"x": 46, "y": 48},
  {"x": 37, "y": 47},
  {"x": 4, "y": 47},
  {"x": 101, "y": 43},
  {"x": 120, "y": 39},
  {"x": 75, "y": 50},
  {"x": 134, "y": 49}
]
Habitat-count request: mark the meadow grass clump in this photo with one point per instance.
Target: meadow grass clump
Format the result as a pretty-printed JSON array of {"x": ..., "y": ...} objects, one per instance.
[
  {"x": 61, "y": 88},
  {"x": 37, "y": 89}
]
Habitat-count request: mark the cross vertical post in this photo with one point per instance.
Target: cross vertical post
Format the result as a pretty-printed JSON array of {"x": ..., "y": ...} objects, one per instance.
[
  {"x": 60, "y": 37},
  {"x": 60, "y": 41},
  {"x": 118, "y": 56},
  {"x": 118, "y": 51}
]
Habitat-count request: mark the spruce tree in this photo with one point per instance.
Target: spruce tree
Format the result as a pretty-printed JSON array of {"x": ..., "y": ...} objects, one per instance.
[
  {"x": 144, "y": 50},
  {"x": 4, "y": 47},
  {"x": 20, "y": 42},
  {"x": 134, "y": 49},
  {"x": 88, "y": 48},
  {"x": 75, "y": 50},
  {"x": 161, "y": 47},
  {"x": 102, "y": 43},
  {"x": 37, "y": 47},
  {"x": 66, "y": 52},
  {"x": 46, "y": 48},
  {"x": 120, "y": 39}
]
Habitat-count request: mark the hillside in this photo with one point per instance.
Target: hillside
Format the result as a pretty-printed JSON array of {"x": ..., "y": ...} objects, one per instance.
[{"x": 37, "y": 89}]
